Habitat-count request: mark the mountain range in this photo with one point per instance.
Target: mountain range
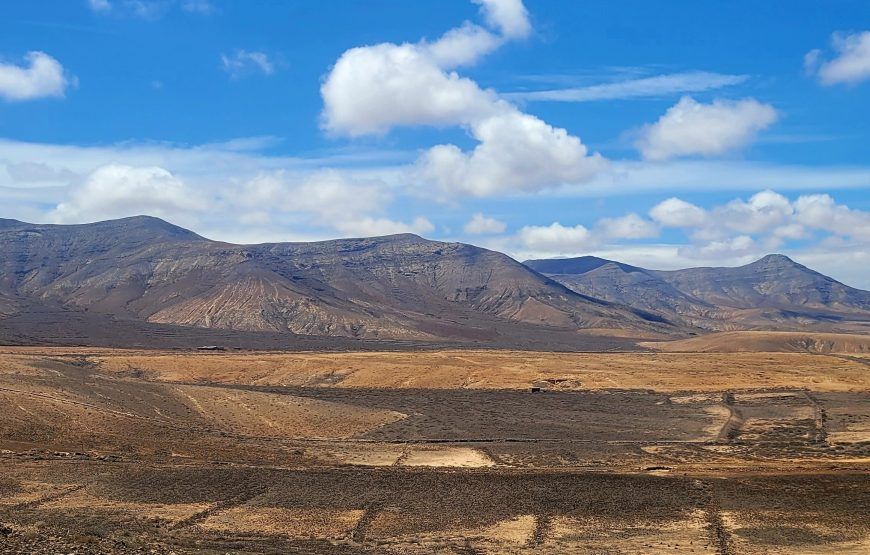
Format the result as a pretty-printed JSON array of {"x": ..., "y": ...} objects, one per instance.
[
  {"x": 143, "y": 273},
  {"x": 774, "y": 293},
  {"x": 394, "y": 287}
]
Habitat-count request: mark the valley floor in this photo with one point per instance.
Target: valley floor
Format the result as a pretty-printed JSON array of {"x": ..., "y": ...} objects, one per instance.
[{"x": 118, "y": 451}]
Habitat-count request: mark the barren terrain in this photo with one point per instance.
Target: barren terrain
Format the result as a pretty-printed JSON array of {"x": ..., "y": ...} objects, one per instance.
[{"x": 433, "y": 452}]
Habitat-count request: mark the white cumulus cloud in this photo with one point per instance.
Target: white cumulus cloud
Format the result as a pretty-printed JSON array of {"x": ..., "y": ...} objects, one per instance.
[
  {"x": 556, "y": 238},
  {"x": 117, "y": 191},
  {"x": 373, "y": 89},
  {"x": 692, "y": 128},
  {"x": 483, "y": 225},
  {"x": 675, "y": 212},
  {"x": 822, "y": 212},
  {"x": 851, "y": 63},
  {"x": 509, "y": 16},
  {"x": 630, "y": 226},
  {"x": 516, "y": 152},
  {"x": 41, "y": 76},
  {"x": 368, "y": 227}
]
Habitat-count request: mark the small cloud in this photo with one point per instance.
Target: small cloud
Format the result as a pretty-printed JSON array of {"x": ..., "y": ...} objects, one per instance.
[
  {"x": 369, "y": 227},
  {"x": 156, "y": 85},
  {"x": 145, "y": 9},
  {"x": 850, "y": 65},
  {"x": 202, "y": 7},
  {"x": 42, "y": 76},
  {"x": 99, "y": 5},
  {"x": 508, "y": 16},
  {"x": 675, "y": 212},
  {"x": 630, "y": 226},
  {"x": 645, "y": 87},
  {"x": 243, "y": 62},
  {"x": 150, "y": 10},
  {"x": 481, "y": 225}
]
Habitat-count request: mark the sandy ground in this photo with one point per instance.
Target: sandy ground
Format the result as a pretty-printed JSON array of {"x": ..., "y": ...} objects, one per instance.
[
  {"x": 665, "y": 372},
  {"x": 768, "y": 341},
  {"x": 110, "y": 451}
]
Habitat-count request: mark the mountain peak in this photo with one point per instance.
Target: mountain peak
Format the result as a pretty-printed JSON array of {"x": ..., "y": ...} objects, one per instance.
[
  {"x": 149, "y": 225},
  {"x": 775, "y": 258},
  {"x": 577, "y": 265},
  {"x": 4, "y": 222}
]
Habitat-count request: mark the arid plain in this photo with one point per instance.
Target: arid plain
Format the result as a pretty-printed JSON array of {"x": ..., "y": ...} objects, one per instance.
[{"x": 436, "y": 451}]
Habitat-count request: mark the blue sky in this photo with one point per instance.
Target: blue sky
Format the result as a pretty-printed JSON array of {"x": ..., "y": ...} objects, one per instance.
[{"x": 665, "y": 134}]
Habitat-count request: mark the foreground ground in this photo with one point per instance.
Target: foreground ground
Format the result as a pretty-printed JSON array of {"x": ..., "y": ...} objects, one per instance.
[{"x": 431, "y": 452}]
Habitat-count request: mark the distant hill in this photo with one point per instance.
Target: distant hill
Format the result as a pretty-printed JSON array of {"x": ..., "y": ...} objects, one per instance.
[
  {"x": 394, "y": 287},
  {"x": 768, "y": 342},
  {"x": 772, "y": 293}
]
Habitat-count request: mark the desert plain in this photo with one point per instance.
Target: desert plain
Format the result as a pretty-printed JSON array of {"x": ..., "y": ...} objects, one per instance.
[{"x": 434, "y": 451}]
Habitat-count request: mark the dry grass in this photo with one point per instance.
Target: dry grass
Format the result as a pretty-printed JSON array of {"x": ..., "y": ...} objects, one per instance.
[
  {"x": 665, "y": 372},
  {"x": 254, "y": 413},
  {"x": 82, "y": 500},
  {"x": 295, "y": 523},
  {"x": 767, "y": 341}
]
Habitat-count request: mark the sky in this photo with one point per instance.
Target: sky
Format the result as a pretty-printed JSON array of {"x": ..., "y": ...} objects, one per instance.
[{"x": 661, "y": 134}]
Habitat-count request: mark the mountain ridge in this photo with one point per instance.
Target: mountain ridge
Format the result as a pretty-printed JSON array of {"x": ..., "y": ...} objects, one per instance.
[
  {"x": 773, "y": 292},
  {"x": 392, "y": 287}
]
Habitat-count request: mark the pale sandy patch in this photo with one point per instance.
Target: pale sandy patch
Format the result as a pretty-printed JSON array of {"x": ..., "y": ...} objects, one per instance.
[
  {"x": 719, "y": 416},
  {"x": 274, "y": 415},
  {"x": 605, "y": 535},
  {"x": 850, "y": 435},
  {"x": 363, "y": 454},
  {"x": 734, "y": 522},
  {"x": 294, "y": 523},
  {"x": 170, "y": 512},
  {"x": 30, "y": 491},
  {"x": 504, "y": 536},
  {"x": 464, "y": 457},
  {"x": 20, "y": 366}
]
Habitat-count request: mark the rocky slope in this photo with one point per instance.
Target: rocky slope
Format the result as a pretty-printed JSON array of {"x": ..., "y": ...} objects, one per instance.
[
  {"x": 772, "y": 293},
  {"x": 391, "y": 287}
]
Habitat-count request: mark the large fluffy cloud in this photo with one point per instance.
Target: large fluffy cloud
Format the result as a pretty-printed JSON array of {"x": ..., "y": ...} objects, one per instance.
[
  {"x": 561, "y": 240},
  {"x": 516, "y": 152},
  {"x": 851, "y": 63},
  {"x": 325, "y": 198},
  {"x": 372, "y": 89},
  {"x": 556, "y": 238},
  {"x": 115, "y": 191},
  {"x": 375, "y": 88},
  {"x": 764, "y": 221},
  {"x": 691, "y": 128},
  {"x": 41, "y": 76},
  {"x": 814, "y": 229},
  {"x": 822, "y": 212},
  {"x": 675, "y": 212}
]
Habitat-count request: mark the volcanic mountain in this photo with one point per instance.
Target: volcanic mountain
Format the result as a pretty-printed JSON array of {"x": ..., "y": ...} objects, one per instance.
[
  {"x": 396, "y": 287},
  {"x": 774, "y": 292}
]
